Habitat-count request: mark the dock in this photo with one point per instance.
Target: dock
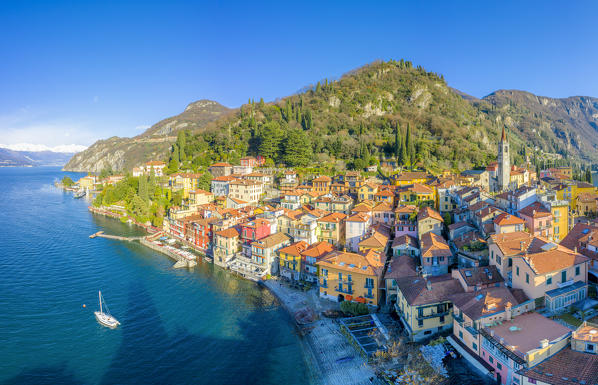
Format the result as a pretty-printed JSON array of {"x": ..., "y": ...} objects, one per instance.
[{"x": 117, "y": 237}]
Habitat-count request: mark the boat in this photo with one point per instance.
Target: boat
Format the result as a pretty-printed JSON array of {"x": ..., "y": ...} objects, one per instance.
[
  {"x": 79, "y": 194},
  {"x": 104, "y": 317}
]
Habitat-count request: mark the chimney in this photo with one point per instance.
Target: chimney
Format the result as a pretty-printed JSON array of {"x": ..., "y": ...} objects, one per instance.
[
  {"x": 428, "y": 285},
  {"x": 492, "y": 332},
  {"x": 544, "y": 343},
  {"x": 575, "y": 249},
  {"x": 502, "y": 341},
  {"x": 521, "y": 245},
  {"x": 508, "y": 312}
]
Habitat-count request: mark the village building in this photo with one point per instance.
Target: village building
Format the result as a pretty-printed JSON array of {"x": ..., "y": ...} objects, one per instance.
[
  {"x": 331, "y": 229},
  {"x": 220, "y": 169},
  {"x": 429, "y": 220},
  {"x": 245, "y": 190},
  {"x": 356, "y": 226},
  {"x": 538, "y": 220},
  {"x": 405, "y": 245},
  {"x": 405, "y": 220},
  {"x": 290, "y": 260},
  {"x": 226, "y": 245},
  {"x": 436, "y": 255}
]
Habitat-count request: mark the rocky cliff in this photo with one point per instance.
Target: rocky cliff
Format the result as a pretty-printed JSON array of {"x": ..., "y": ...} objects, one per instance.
[{"x": 126, "y": 153}]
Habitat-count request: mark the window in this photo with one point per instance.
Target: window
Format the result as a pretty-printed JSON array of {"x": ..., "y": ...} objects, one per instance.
[
  {"x": 420, "y": 323},
  {"x": 517, "y": 270},
  {"x": 564, "y": 276},
  {"x": 460, "y": 334},
  {"x": 441, "y": 319},
  {"x": 577, "y": 270},
  {"x": 549, "y": 279},
  {"x": 526, "y": 278},
  {"x": 491, "y": 359},
  {"x": 510, "y": 262},
  {"x": 498, "y": 260},
  {"x": 474, "y": 346},
  {"x": 499, "y": 366}
]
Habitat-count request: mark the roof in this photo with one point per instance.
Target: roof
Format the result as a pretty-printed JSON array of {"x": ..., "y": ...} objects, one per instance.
[
  {"x": 406, "y": 209},
  {"x": 362, "y": 207},
  {"x": 459, "y": 225},
  {"x": 482, "y": 303},
  {"x": 427, "y": 212},
  {"x": 272, "y": 240},
  {"x": 237, "y": 201},
  {"x": 224, "y": 178},
  {"x": 516, "y": 242},
  {"x": 410, "y": 175},
  {"x": 404, "y": 240},
  {"x": 322, "y": 178},
  {"x": 581, "y": 233},
  {"x": 433, "y": 245},
  {"x": 318, "y": 250},
  {"x": 333, "y": 218},
  {"x": 155, "y": 163},
  {"x": 415, "y": 290},
  {"x": 565, "y": 366},
  {"x": 377, "y": 238},
  {"x": 221, "y": 164},
  {"x": 383, "y": 206},
  {"x": 506, "y": 219},
  {"x": 245, "y": 182},
  {"x": 231, "y": 232},
  {"x": 553, "y": 260},
  {"x": 369, "y": 263},
  {"x": 358, "y": 217},
  {"x": 535, "y": 210},
  {"x": 295, "y": 249},
  {"x": 421, "y": 189},
  {"x": 587, "y": 197},
  {"x": 525, "y": 332},
  {"x": 486, "y": 275},
  {"x": 586, "y": 332},
  {"x": 400, "y": 267}
]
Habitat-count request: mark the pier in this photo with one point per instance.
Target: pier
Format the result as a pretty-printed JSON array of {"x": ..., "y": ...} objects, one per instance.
[{"x": 117, "y": 237}]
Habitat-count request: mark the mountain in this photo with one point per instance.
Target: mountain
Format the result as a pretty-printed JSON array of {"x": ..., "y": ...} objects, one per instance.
[
  {"x": 125, "y": 153},
  {"x": 10, "y": 157},
  {"x": 353, "y": 120}
]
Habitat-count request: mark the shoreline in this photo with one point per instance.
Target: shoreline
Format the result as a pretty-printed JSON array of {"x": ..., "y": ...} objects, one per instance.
[{"x": 325, "y": 349}]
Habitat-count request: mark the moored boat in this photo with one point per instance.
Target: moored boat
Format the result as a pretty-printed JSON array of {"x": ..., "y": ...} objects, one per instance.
[{"x": 104, "y": 317}]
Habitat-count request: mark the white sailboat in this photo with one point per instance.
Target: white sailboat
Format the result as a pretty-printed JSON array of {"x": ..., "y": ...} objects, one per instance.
[{"x": 105, "y": 318}]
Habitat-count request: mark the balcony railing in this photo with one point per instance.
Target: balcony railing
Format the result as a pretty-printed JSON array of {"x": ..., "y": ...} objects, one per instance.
[
  {"x": 346, "y": 291},
  {"x": 433, "y": 315}
]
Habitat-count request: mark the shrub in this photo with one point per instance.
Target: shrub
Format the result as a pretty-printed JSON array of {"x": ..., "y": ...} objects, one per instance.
[{"x": 354, "y": 308}]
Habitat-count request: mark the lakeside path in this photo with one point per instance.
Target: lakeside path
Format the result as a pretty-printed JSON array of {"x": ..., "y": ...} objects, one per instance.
[{"x": 325, "y": 344}]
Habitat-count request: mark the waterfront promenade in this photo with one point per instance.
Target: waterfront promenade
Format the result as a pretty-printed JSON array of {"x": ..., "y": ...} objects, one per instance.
[{"x": 331, "y": 358}]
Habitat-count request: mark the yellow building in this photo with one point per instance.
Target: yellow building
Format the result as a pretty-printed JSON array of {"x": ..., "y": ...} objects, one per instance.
[
  {"x": 345, "y": 276},
  {"x": 331, "y": 229},
  {"x": 586, "y": 204},
  {"x": 367, "y": 191},
  {"x": 407, "y": 178},
  {"x": 560, "y": 218},
  {"x": 417, "y": 193},
  {"x": 88, "y": 182},
  {"x": 289, "y": 259},
  {"x": 184, "y": 181},
  {"x": 423, "y": 305}
]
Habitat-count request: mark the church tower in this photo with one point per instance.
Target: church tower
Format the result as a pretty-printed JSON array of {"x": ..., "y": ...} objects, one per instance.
[{"x": 504, "y": 163}]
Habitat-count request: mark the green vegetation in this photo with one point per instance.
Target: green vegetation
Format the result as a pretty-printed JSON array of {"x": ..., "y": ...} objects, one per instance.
[
  {"x": 354, "y": 308},
  {"x": 143, "y": 198},
  {"x": 568, "y": 318},
  {"x": 67, "y": 181}
]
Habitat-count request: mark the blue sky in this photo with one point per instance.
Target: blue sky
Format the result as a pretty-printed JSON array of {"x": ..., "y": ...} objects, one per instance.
[{"x": 76, "y": 71}]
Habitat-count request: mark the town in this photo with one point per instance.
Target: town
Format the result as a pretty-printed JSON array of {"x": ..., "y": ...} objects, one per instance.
[{"x": 501, "y": 261}]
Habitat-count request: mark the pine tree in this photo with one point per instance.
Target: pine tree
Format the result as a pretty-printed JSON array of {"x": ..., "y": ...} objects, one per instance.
[
  {"x": 297, "y": 148},
  {"x": 173, "y": 164},
  {"x": 410, "y": 146},
  {"x": 182, "y": 143}
]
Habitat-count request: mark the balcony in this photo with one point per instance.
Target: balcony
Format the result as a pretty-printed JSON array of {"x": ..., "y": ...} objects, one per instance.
[
  {"x": 345, "y": 291},
  {"x": 458, "y": 318},
  {"x": 433, "y": 315}
]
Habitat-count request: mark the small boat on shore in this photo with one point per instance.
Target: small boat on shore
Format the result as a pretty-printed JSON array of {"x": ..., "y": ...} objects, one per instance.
[
  {"x": 79, "y": 194},
  {"x": 105, "y": 318}
]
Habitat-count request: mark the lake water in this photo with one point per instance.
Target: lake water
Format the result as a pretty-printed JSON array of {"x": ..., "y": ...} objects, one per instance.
[{"x": 178, "y": 326}]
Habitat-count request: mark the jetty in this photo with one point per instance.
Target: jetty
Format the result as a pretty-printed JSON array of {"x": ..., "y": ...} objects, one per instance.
[{"x": 117, "y": 237}]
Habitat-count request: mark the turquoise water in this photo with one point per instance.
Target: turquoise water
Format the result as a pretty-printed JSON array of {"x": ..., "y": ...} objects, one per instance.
[{"x": 200, "y": 327}]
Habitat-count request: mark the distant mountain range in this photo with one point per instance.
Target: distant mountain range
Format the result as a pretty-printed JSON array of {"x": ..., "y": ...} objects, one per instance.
[
  {"x": 27, "y": 158},
  {"x": 356, "y": 114}
]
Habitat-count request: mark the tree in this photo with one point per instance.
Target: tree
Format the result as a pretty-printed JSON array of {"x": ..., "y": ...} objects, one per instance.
[
  {"x": 269, "y": 139},
  {"x": 143, "y": 190},
  {"x": 106, "y": 172},
  {"x": 205, "y": 181},
  {"x": 173, "y": 164},
  {"x": 67, "y": 181},
  {"x": 410, "y": 147},
  {"x": 297, "y": 148}
]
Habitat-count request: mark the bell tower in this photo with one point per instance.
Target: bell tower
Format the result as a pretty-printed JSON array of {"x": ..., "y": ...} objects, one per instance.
[{"x": 504, "y": 163}]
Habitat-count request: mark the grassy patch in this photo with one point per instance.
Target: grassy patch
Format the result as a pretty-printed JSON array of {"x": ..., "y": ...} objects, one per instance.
[{"x": 569, "y": 319}]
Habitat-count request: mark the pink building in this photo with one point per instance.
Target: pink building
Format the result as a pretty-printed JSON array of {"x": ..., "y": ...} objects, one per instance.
[
  {"x": 538, "y": 220},
  {"x": 405, "y": 221}
]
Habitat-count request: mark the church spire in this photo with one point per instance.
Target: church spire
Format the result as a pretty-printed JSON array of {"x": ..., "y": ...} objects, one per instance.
[{"x": 504, "y": 135}]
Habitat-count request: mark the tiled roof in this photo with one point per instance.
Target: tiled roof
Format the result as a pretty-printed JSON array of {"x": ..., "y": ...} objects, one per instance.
[
  {"x": 406, "y": 209},
  {"x": 368, "y": 264},
  {"x": 231, "y": 232},
  {"x": 224, "y": 178},
  {"x": 482, "y": 303},
  {"x": 506, "y": 219},
  {"x": 421, "y": 189},
  {"x": 565, "y": 366},
  {"x": 535, "y": 210},
  {"x": 322, "y": 178},
  {"x": 458, "y": 225},
  {"x": 379, "y": 237},
  {"x": 333, "y": 218},
  {"x": 318, "y": 250},
  {"x": 400, "y": 267},
  {"x": 221, "y": 164},
  {"x": 358, "y": 217},
  {"x": 433, "y": 245},
  {"x": 483, "y": 275},
  {"x": 272, "y": 240},
  {"x": 404, "y": 240},
  {"x": 517, "y": 242},
  {"x": 383, "y": 206},
  {"x": 553, "y": 260},
  {"x": 415, "y": 290},
  {"x": 427, "y": 212},
  {"x": 295, "y": 249}
]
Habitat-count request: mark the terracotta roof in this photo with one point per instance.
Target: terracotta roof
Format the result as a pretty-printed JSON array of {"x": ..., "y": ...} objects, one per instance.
[
  {"x": 271, "y": 240},
  {"x": 322, "y": 178},
  {"x": 333, "y": 218},
  {"x": 378, "y": 237},
  {"x": 221, "y": 164},
  {"x": 400, "y": 267},
  {"x": 238, "y": 201},
  {"x": 433, "y": 245},
  {"x": 231, "y": 232},
  {"x": 368, "y": 264},
  {"x": 385, "y": 193},
  {"x": 458, "y": 225},
  {"x": 406, "y": 209},
  {"x": 427, "y": 212},
  {"x": 482, "y": 303},
  {"x": 358, "y": 217},
  {"x": 415, "y": 290},
  {"x": 155, "y": 163},
  {"x": 383, "y": 206},
  {"x": 362, "y": 208},
  {"x": 548, "y": 261},
  {"x": 565, "y": 366},
  {"x": 224, "y": 178},
  {"x": 404, "y": 240},
  {"x": 587, "y": 197},
  {"x": 318, "y": 250},
  {"x": 506, "y": 219},
  {"x": 483, "y": 275},
  {"x": 516, "y": 243},
  {"x": 581, "y": 232},
  {"x": 245, "y": 182},
  {"x": 421, "y": 189},
  {"x": 295, "y": 249},
  {"x": 478, "y": 206},
  {"x": 535, "y": 210},
  {"x": 467, "y": 238}
]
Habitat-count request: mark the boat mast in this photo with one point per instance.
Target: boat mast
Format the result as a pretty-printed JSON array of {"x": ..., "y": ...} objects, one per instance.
[{"x": 100, "y": 296}]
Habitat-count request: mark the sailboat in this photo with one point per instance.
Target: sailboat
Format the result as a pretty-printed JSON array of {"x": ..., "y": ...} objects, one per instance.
[{"x": 105, "y": 318}]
